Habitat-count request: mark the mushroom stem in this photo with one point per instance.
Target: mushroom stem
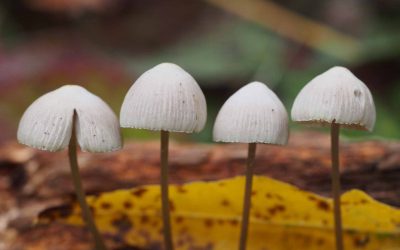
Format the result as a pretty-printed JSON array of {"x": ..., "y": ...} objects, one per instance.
[
  {"x": 80, "y": 193},
  {"x": 164, "y": 191},
  {"x": 336, "y": 184},
  {"x": 247, "y": 195}
]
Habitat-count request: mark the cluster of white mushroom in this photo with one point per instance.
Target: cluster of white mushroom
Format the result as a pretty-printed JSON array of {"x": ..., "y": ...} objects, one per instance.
[{"x": 168, "y": 99}]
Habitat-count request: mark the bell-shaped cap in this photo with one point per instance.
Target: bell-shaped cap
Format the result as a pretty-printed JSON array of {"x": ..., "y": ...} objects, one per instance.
[
  {"x": 165, "y": 97},
  {"x": 47, "y": 123},
  {"x": 254, "y": 114},
  {"x": 336, "y": 96}
]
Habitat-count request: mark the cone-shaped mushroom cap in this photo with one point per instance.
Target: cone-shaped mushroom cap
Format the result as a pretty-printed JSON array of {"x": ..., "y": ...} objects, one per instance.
[
  {"x": 47, "y": 123},
  {"x": 335, "y": 96},
  {"x": 254, "y": 114},
  {"x": 165, "y": 98}
]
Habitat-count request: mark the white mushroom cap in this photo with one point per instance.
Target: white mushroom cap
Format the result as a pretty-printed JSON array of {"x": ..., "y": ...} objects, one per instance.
[
  {"x": 166, "y": 98},
  {"x": 336, "y": 96},
  {"x": 47, "y": 123},
  {"x": 254, "y": 114}
]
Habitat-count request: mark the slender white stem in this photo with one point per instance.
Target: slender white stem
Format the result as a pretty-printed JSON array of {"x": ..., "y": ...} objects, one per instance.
[
  {"x": 336, "y": 189},
  {"x": 247, "y": 195},
  {"x": 80, "y": 193},
  {"x": 164, "y": 191}
]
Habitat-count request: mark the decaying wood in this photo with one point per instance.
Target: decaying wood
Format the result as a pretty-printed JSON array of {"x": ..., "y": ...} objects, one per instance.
[{"x": 32, "y": 180}]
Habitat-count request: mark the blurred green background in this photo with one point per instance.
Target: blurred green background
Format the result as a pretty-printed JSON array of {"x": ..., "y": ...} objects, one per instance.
[{"x": 105, "y": 45}]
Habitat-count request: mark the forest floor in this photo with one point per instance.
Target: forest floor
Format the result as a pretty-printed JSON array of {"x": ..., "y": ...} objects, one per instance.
[{"x": 32, "y": 180}]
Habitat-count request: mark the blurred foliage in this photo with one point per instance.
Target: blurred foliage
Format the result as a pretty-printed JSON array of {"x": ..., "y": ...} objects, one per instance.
[{"x": 106, "y": 45}]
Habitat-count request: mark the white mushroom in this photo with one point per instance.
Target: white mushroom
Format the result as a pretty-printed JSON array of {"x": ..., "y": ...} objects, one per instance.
[
  {"x": 254, "y": 114},
  {"x": 337, "y": 98},
  {"x": 168, "y": 99},
  {"x": 47, "y": 123},
  {"x": 65, "y": 117}
]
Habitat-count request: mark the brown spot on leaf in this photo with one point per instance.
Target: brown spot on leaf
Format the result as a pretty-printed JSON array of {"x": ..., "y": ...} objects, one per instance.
[
  {"x": 128, "y": 205},
  {"x": 105, "y": 205},
  {"x": 171, "y": 206},
  {"x": 55, "y": 212},
  {"x": 234, "y": 223},
  {"x": 208, "y": 223},
  {"x": 225, "y": 203},
  {"x": 139, "y": 192},
  {"x": 181, "y": 189},
  {"x": 312, "y": 198},
  {"x": 320, "y": 241},
  {"x": 144, "y": 219},
  {"x": 253, "y": 193},
  {"x": 323, "y": 205},
  {"x": 179, "y": 219},
  {"x": 361, "y": 241},
  {"x": 279, "y": 197},
  {"x": 122, "y": 224},
  {"x": 276, "y": 209}
]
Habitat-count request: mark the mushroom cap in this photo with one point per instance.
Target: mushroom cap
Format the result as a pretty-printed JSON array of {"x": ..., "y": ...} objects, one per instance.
[
  {"x": 336, "y": 96},
  {"x": 254, "y": 114},
  {"x": 47, "y": 123},
  {"x": 165, "y": 97}
]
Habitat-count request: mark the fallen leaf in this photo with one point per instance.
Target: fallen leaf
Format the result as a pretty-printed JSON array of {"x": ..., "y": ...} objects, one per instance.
[{"x": 206, "y": 215}]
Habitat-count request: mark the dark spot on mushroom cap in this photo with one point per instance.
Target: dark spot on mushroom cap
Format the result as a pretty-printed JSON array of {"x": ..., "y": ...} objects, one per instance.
[
  {"x": 357, "y": 93},
  {"x": 139, "y": 192},
  {"x": 105, "y": 205}
]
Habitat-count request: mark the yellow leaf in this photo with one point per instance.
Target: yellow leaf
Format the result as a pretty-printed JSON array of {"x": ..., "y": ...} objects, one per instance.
[{"x": 206, "y": 215}]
